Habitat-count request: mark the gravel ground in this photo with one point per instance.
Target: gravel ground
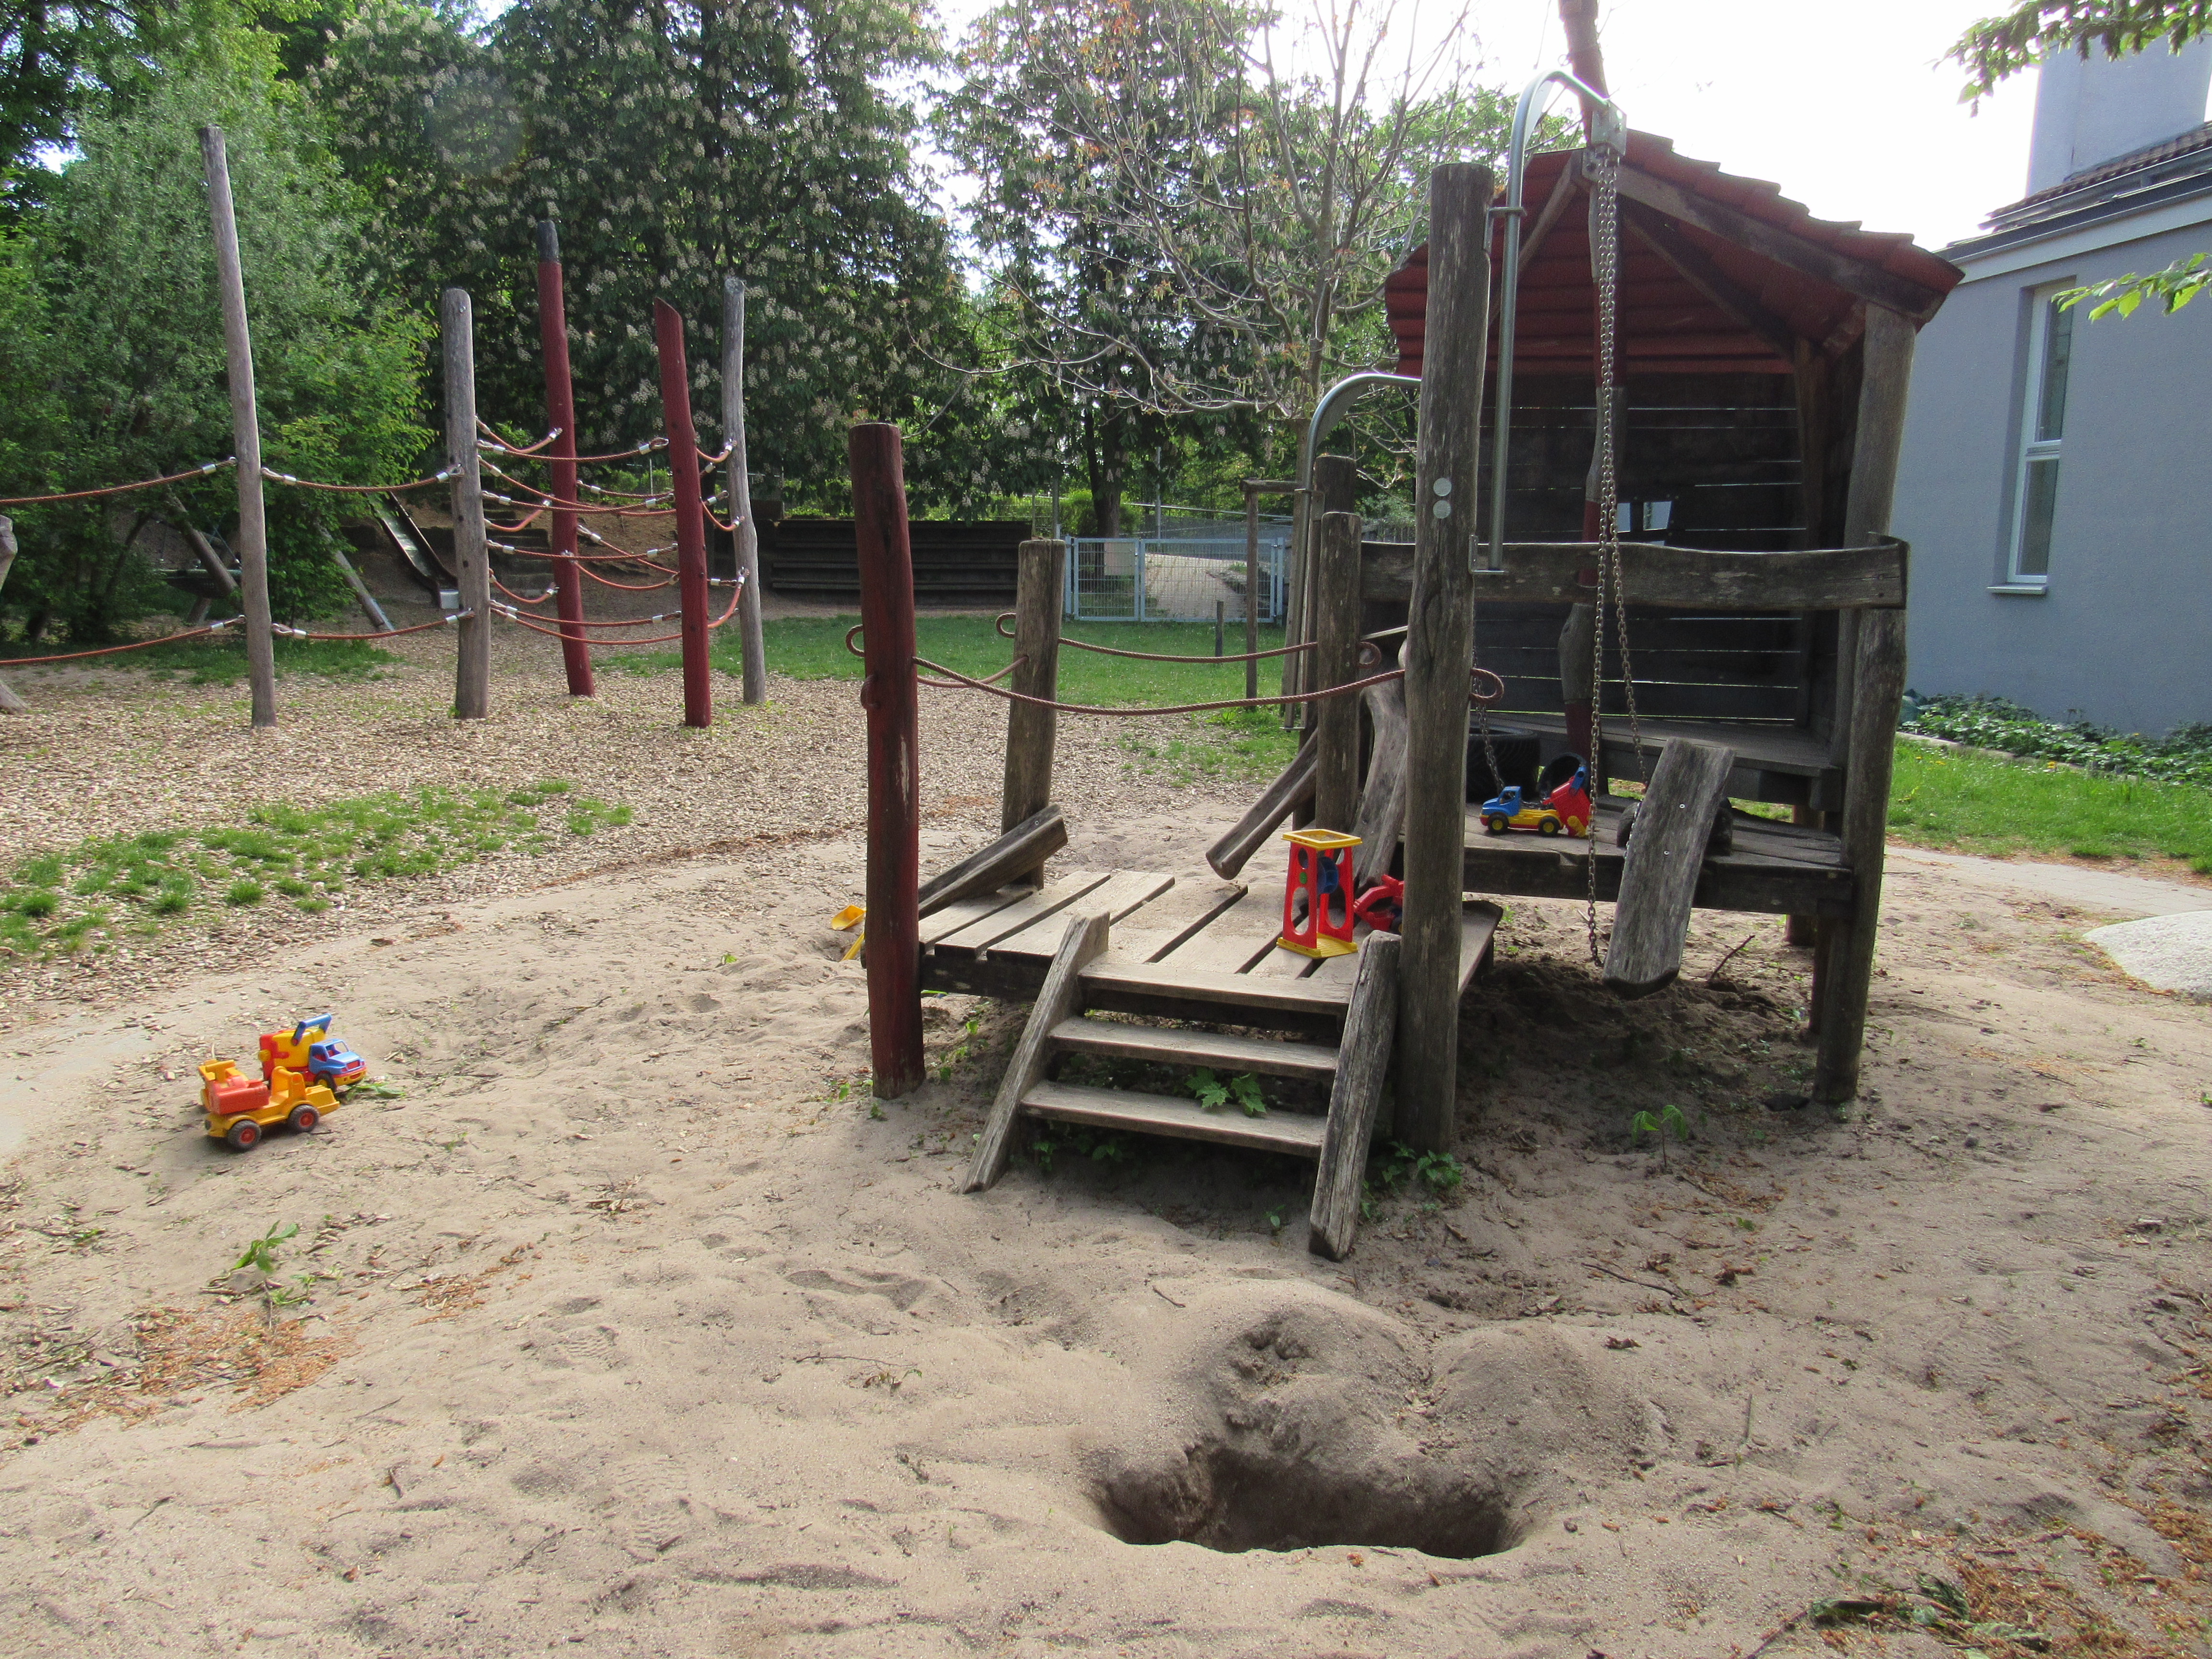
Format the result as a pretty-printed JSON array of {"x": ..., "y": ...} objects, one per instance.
[{"x": 105, "y": 751}]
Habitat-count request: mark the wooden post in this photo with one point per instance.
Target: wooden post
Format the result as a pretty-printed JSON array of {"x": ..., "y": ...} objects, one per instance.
[
  {"x": 1031, "y": 732},
  {"x": 1439, "y": 645},
  {"x": 894, "y": 952},
  {"x": 246, "y": 433},
  {"x": 1336, "y": 720},
  {"x": 9, "y": 702},
  {"x": 1848, "y": 969},
  {"x": 370, "y": 608},
  {"x": 690, "y": 509},
  {"x": 1220, "y": 624},
  {"x": 740, "y": 473},
  {"x": 471, "y": 559},
  {"x": 1251, "y": 590},
  {"x": 1356, "y": 1097},
  {"x": 560, "y": 416},
  {"x": 1577, "y": 686},
  {"x": 1869, "y": 687}
]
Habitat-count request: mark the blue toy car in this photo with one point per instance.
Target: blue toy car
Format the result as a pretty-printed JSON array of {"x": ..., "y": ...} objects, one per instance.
[{"x": 333, "y": 1063}]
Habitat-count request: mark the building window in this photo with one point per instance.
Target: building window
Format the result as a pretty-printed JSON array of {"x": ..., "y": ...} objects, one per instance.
[{"x": 2042, "y": 428}]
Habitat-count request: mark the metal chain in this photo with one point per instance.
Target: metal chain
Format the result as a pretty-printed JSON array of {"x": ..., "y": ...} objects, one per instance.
[{"x": 1602, "y": 167}]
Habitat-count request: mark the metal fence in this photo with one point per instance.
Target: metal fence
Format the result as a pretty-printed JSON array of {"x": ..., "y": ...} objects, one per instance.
[{"x": 1172, "y": 578}]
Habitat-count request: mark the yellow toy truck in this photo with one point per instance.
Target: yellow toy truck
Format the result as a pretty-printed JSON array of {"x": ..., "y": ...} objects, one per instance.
[{"x": 239, "y": 1107}]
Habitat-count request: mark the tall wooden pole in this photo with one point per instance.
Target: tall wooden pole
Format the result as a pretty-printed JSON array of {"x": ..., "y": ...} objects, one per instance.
[
  {"x": 1583, "y": 56},
  {"x": 1336, "y": 720},
  {"x": 471, "y": 559},
  {"x": 9, "y": 702},
  {"x": 690, "y": 507},
  {"x": 739, "y": 474},
  {"x": 246, "y": 433},
  {"x": 560, "y": 416},
  {"x": 1251, "y": 590},
  {"x": 1439, "y": 645},
  {"x": 888, "y": 693},
  {"x": 1031, "y": 730}
]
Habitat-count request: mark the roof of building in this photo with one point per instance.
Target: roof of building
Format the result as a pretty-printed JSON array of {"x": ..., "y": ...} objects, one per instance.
[
  {"x": 2171, "y": 169},
  {"x": 1719, "y": 274}
]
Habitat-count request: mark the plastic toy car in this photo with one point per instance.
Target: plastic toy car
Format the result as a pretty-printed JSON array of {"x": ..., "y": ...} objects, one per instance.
[
  {"x": 310, "y": 1048},
  {"x": 1565, "y": 808},
  {"x": 239, "y": 1107}
]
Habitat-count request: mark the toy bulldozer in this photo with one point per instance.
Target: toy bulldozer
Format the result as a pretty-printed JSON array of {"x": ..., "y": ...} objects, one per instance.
[{"x": 239, "y": 1107}]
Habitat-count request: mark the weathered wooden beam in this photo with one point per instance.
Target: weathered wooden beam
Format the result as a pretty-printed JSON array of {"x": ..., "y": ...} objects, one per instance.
[
  {"x": 369, "y": 607},
  {"x": 889, "y": 697},
  {"x": 1023, "y": 849},
  {"x": 1032, "y": 731},
  {"x": 1356, "y": 1097},
  {"x": 1688, "y": 579},
  {"x": 9, "y": 702},
  {"x": 738, "y": 471},
  {"x": 1785, "y": 247},
  {"x": 1082, "y": 943},
  {"x": 1691, "y": 264},
  {"x": 1659, "y": 874},
  {"x": 1293, "y": 787},
  {"x": 1439, "y": 644},
  {"x": 1885, "y": 377},
  {"x": 561, "y": 460},
  {"x": 1336, "y": 659},
  {"x": 1881, "y": 689},
  {"x": 471, "y": 558},
  {"x": 1381, "y": 817},
  {"x": 1578, "y": 685}
]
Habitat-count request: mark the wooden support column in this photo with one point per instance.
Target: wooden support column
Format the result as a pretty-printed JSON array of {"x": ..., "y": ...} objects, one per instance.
[
  {"x": 1336, "y": 720},
  {"x": 738, "y": 471},
  {"x": 246, "y": 433},
  {"x": 1869, "y": 687},
  {"x": 1031, "y": 732},
  {"x": 1578, "y": 679},
  {"x": 9, "y": 702},
  {"x": 1251, "y": 589},
  {"x": 690, "y": 511},
  {"x": 561, "y": 458},
  {"x": 1439, "y": 645},
  {"x": 471, "y": 558},
  {"x": 889, "y": 694}
]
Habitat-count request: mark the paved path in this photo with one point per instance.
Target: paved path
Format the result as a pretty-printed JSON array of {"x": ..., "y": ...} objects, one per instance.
[{"x": 2105, "y": 890}]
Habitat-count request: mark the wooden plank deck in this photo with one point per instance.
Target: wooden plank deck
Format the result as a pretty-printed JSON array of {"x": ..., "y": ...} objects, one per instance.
[
  {"x": 1785, "y": 764},
  {"x": 1779, "y": 869}
]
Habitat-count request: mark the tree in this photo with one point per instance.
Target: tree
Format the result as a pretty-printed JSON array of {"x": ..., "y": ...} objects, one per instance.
[
  {"x": 133, "y": 364},
  {"x": 673, "y": 143},
  {"x": 1997, "y": 47}
]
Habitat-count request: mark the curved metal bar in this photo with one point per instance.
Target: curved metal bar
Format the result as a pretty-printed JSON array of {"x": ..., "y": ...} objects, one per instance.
[
  {"x": 1606, "y": 125},
  {"x": 1331, "y": 409}
]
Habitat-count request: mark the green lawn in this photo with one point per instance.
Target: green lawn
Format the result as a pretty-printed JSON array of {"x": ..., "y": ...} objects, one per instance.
[{"x": 1978, "y": 803}]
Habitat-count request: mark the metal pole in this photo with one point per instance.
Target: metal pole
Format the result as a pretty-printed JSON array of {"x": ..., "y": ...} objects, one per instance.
[
  {"x": 1605, "y": 126},
  {"x": 246, "y": 430},
  {"x": 560, "y": 416},
  {"x": 747, "y": 536},
  {"x": 471, "y": 558},
  {"x": 690, "y": 510}
]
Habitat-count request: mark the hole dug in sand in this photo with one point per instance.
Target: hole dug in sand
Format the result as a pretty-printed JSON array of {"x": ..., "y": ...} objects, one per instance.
[{"x": 1308, "y": 1419}]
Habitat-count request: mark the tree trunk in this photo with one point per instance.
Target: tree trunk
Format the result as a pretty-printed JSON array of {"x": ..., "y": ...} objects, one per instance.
[{"x": 1107, "y": 464}]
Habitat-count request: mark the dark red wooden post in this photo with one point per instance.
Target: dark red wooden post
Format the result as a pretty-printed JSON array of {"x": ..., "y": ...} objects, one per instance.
[
  {"x": 561, "y": 414},
  {"x": 894, "y": 923},
  {"x": 691, "y": 525}
]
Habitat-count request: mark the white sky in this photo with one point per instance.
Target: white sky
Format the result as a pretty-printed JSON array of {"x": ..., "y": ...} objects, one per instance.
[{"x": 1838, "y": 101}]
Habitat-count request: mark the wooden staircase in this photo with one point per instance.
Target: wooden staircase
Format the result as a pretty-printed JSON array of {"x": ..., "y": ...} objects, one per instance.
[{"x": 1082, "y": 974}]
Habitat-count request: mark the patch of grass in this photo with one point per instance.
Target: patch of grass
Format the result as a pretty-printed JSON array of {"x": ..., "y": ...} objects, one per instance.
[
  {"x": 220, "y": 658},
  {"x": 308, "y": 855},
  {"x": 1981, "y": 803},
  {"x": 1235, "y": 743}
]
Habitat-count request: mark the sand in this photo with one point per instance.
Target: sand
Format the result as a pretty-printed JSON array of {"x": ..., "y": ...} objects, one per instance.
[{"x": 636, "y": 1328}]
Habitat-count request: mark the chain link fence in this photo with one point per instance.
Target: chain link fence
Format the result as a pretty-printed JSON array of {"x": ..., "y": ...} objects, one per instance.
[{"x": 1172, "y": 578}]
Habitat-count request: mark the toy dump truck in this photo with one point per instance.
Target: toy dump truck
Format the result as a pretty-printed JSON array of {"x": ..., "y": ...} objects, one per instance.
[
  {"x": 239, "y": 1107},
  {"x": 310, "y": 1049}
]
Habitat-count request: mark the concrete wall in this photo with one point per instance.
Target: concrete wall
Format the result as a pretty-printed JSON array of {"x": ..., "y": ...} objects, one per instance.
[{"x": 2124, "y": 632}]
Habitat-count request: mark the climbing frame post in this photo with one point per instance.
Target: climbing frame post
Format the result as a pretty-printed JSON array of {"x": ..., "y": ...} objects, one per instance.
[
  {"x": 1356, "y": 1097},
  {"x": 561, "y": 458},
  {"x": 1336, "y": 656},
  {"x": 1439, "y": 645},
  {"x": 690, "y": 512},
  {"x": 888, "y": 693},
  {"x": 472, "y": 557},
  {"x": 1031, "y": 730}
]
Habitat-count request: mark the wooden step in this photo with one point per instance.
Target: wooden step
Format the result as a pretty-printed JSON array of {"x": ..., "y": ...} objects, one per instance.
[
  {"x": 1190, "y": 1048},
  {"x": 1113, "y": 982},
  {"x": 1294, "y": 1133}
]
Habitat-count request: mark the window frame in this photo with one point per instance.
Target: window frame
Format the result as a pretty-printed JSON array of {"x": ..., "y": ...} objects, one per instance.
[{"x": 2032, "y": 453}]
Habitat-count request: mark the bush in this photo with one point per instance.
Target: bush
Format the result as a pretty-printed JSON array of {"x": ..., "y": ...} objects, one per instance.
[{"x": 2183, "y": 755}]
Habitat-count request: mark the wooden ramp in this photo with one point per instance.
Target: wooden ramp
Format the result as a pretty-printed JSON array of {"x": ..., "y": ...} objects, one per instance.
[{"x": 1130, "y": 943}]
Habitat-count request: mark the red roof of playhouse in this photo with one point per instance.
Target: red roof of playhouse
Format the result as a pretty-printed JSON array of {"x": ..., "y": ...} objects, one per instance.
[{"x": 1719, "y": 274}]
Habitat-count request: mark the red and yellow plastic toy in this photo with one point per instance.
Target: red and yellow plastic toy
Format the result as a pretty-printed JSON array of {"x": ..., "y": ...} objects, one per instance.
[
  {"x": 1321, "y": 868},
  {"x": 301, "y": 1071}
]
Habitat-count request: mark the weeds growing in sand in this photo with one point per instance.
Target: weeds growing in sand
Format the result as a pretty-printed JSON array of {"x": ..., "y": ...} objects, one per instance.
[
  {"x": 1214, "y": 1093},
  {"x": 260, "y": 1254},
  {"x": 1669, "y": 1120},
  {"x": 114, "y": 888},
  {"x": 1392, "y": 1165}
]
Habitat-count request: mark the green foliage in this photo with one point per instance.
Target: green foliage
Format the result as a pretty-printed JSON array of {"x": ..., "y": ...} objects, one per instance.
[
  {"x": 1391, "y": 1165},
  {"x": 1667, "y": 1121},
  {"x": 1986, "y": 803},
  {"x": 126, "y": 887},
  {"x": 1109, "y": 1148},
  {"x": 131, "y": 346},
  {"x": 2183, "y": 755},
  {"x": 2172, "y": 287},
  {"x": 1212, "y": 1093},
  {"x": 2032, "y": 30},
  {"x": 260, "y": 1254}
]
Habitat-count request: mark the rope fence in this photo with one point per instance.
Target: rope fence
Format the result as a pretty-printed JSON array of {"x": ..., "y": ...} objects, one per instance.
[
  {"x": 200, "y": 471},
  {"x": 1156, "y": 656}
]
